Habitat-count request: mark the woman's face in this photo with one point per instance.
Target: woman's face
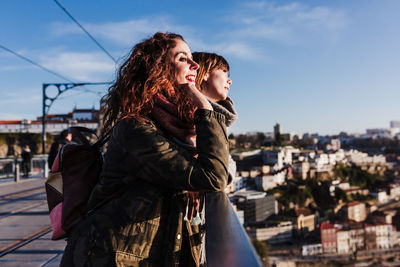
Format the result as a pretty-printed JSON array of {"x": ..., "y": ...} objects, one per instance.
[
  {"x": 185, "y": 67},
  {"x": 216, "y": 85}
]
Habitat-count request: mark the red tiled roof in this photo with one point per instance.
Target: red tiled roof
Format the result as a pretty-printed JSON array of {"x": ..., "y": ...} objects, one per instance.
[
  {"x": 10, "y": 122},
  {"x": 304, "y": 211},
  {"x": 33, "y": 122},
  {"x": 354, "y": 203},
  {"x": 326, "y": 225}
]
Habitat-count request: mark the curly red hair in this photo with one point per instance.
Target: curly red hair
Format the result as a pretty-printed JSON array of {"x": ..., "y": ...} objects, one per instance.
[{"x": 145, "y": 73}]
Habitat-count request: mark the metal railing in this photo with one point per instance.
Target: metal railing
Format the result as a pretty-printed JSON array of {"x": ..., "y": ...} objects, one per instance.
[
  {"x": 7, "y": 168},
  {"x": 227, "y": 243},
  {"x": 11, "y": 167},
  {"x": 39, "y": 165}
]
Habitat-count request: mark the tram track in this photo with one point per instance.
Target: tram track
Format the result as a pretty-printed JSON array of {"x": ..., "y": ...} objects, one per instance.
[
  {"x": 19, "y": 210},
  {"x": 25, "y": 231},
  {"x": 22, "y": 193},
  {"x": 24, "y": 240},
  {"x": 25, "y": 208},
  {"x": 28, "y": 238}
]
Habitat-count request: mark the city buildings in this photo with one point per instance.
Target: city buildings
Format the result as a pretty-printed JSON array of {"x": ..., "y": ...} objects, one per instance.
[
  {"x": 284, "y": 167},
  {"x": 55, "y": 123},
  {"x": 257, "y": 206},
  {"x": 328, "y": 237},
  {"x": 356, "y": 211},
  {"x": 280, "y": 233}
]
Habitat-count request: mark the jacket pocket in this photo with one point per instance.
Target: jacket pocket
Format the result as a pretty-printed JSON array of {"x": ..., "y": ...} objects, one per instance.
[{"x": 124, "y": 259}]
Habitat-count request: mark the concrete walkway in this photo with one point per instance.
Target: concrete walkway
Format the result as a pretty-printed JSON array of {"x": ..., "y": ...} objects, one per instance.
[{"x": 23, "y": 210}]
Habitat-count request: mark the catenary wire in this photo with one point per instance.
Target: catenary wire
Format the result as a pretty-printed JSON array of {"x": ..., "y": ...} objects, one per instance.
[
  {"x": 74, "y": 95},
  {"x": 46, "y": 69},
  {"x": 87, "y": 90},
  {"x": 34, "y": 63},
  {"x": 83, "y": 29}
]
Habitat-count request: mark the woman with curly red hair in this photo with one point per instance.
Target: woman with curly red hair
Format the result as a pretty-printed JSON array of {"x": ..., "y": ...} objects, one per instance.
[{"x": 165, "y": 140}]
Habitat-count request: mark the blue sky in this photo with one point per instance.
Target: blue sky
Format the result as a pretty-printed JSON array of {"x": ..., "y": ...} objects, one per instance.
[{"x": 312, "y": 66}]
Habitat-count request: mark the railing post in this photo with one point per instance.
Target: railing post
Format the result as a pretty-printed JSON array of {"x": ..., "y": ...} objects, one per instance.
[
  {"x": 44, "y": 119},
  {"x": 16, "y": 171},
  {"x": 45, "y": 169}
]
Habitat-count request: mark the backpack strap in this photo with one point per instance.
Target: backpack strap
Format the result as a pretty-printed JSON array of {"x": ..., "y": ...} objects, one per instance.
[{"x": 104, "y": 138}]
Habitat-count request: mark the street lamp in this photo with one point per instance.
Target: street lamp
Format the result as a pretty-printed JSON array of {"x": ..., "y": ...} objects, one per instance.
[{"x": 48, "y": 101}]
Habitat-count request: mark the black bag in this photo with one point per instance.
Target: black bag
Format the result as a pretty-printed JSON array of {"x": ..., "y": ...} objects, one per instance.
[{"x": 74, "y": 174}]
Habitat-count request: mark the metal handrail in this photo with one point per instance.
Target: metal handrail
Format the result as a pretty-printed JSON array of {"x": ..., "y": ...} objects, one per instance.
[
  {"x": 8, "y": 166},
  {"x": 227, "y": 244}
]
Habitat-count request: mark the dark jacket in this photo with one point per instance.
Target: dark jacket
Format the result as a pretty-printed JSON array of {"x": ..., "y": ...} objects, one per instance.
[
  {"x": 55, "y": 147},
  {"x": 144, "y": 225}
]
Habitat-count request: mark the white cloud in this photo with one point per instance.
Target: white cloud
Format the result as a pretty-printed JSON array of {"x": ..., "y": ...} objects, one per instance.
[
  {"x": 10, "y": 116},
  {"x": 16, "y": 67},
  {"x": 323, "y": 17},
  {"x": 91, "y": 66},
  {"x": 12, "y": 62},
  {"x": 254, "y": 25},
  {"x": 240, "y": 50},
  {"x": 249, "y": 26},
  {"x": 264, "y": 31},
  {"x": 126, "y": 33},
  {"x": 287, "y": 8},
  {"x": 4, "y": 53},
  {"x": 33, "y": 99},
  {"x": 123, "y": 33},
  {"x": 292, "y": 23},
  {"x": 233, "y": 48},
  {"x": 85, "y": 66}
]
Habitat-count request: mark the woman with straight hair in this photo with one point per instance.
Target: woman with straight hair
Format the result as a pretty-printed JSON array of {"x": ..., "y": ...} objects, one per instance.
[
  {"x": 213, "y": 80},
  {"x": 165, "y": 141}
]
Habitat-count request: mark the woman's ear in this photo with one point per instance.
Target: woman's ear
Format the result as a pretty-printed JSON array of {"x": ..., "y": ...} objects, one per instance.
[{"x": 206, "y": 77}]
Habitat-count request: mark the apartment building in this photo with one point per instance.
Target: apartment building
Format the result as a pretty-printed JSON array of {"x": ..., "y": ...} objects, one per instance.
[
  {"x": 381, "y": 236},
  {"x": 356, "y": 211},
  {"x": 257, "y": 206},
  {"x": 343, "y": 241},
  {"x": 280, "y": 233},
  {"x": 305, "y": 220},
  {"x": 328, "y": 237}
]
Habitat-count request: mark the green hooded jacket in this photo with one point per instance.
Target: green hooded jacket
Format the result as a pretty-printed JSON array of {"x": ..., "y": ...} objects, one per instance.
[{"x": 144, "y": 225}]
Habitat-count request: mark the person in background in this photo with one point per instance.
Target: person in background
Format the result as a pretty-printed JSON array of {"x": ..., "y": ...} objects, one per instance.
[
  {"x": 26, "y": 156},
  {"x": 213, "y": 80},
  {"x": 165, "y": 140},
  {"x": 65, "y": 137}
]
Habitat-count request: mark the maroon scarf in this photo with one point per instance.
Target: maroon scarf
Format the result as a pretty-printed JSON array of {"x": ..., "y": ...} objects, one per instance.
[{"x": 166, "y": 115}]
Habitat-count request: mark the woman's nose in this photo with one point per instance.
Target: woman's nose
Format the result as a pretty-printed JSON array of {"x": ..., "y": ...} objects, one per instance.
[
  {"x": 193, "y": 65},
  {"x": 229, "y": 81}
]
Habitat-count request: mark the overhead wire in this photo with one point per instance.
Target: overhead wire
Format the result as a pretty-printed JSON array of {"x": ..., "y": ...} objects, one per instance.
[
  {"x": 46, "y": 69},
  {"x": 87, "y": 90},
  {"x": 77, "y": 94},
  {"x": 53, "y": 72},
  {"x": 83, "y": 29},
  {"x": 35, "y": 63}
]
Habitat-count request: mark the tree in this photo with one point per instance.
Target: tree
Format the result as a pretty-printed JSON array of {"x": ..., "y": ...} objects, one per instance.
[
  {"x": 262, "y": 250},
  {"x": 340, "y": 194}
]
